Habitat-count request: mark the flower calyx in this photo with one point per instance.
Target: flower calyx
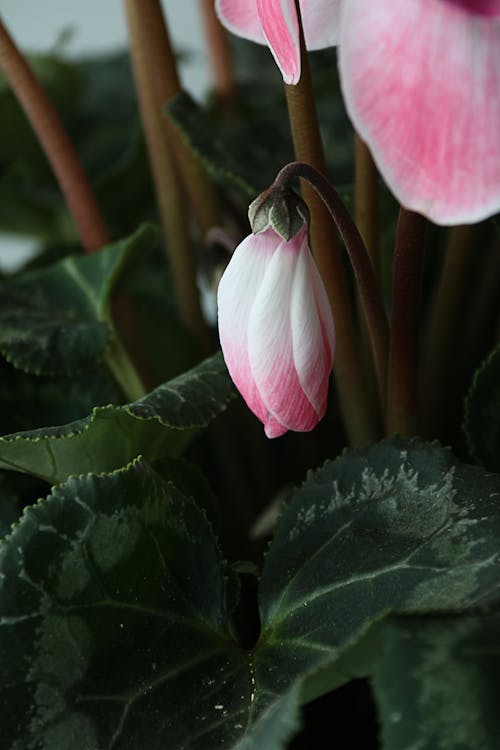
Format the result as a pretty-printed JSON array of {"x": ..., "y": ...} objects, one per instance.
[{"x": 281, "y": 208}]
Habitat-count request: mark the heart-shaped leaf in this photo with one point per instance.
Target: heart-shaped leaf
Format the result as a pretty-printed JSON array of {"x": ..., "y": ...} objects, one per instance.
[
  {"x": 113, "y": 622},
  {"x": 398, "y": 527},
  {"x": 114, "y": 615}
]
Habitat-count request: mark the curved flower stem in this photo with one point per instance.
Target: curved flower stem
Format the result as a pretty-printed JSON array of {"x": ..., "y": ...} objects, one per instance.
[
  {"x": 55, "y": 142},
  {"x": 361, "y": 265},
  {"x": 405, "y": 323},
  {"x": 220, "y": 54},
  {"x": 354, "y": 403},
  {"x": 164, "y": 78},
  {"x": 442, "y": 321},
  {"x": 169, "y": 194}
]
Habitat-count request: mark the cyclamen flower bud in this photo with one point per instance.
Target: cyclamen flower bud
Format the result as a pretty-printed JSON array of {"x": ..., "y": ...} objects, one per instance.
[
  {"x": 276, "y": 330},
  {"x": 281, "y": 208}
]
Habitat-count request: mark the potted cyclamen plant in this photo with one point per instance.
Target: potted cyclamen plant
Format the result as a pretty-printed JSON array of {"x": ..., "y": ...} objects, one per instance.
[{"x": 175, "y": 570}]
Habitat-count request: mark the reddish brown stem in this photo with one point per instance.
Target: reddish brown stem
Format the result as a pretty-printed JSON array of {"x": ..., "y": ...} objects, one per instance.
[
  {"x": 354, "y": 403},
  {"x": 55, "y": 142},
  {"x": 365, "y": 199},
  {"x": 361, "y": 265},
  {"x": 163, "y": 75},
  {"x": 219, "y": 53},
  {"x": 405, "y": 323},
  {"x": 169, "y": 194}
]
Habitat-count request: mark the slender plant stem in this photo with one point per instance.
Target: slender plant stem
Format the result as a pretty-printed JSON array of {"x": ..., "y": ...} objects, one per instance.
[
  {"x": 361, "y": 265},
  {"x": 124, "y": 371},
  {"x": 55, "y": 142},
  {"x": 163, "y": 76},
  {"x": 366, "y": 219},
  {"x": 484, "y": 296},
  {"x": 219, "y": 53},
  {"x": 358, "y": 418},
  {"x": 442, "y": 322},
  {"x": 405, "y": 323},
  {"x": 169, "y": 192},
  {"x": 366, "y": 199}
]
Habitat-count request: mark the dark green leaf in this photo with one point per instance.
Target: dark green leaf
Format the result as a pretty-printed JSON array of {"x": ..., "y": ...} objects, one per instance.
[
  {"x": 157, "y": 425},
  {"x": 201, "y": 137},
  {"x": 190, "y": 481},
  {"x": 277, "y": 724},
  {"x": 482, "y": 413},
  {"x": 28, "y": 402},
  {"x": 113, "y": 621},
  {"x": 57, "y": 319},
  {"x": 437, "y": 683},
  {"x": 9, "y": 505},
  {"x": 398, "y": 527}
]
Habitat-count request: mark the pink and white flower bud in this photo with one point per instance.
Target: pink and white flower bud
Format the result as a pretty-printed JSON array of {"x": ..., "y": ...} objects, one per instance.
[{"x": 276, "y": 331}]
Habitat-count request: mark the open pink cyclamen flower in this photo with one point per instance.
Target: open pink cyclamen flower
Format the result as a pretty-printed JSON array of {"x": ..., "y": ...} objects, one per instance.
[
  {"x": 276, "y": 331},
  {"x": 421, "y": 81}
]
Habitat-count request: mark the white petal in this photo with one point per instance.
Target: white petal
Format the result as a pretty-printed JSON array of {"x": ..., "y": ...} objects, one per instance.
[
  {"x": 236, "y": 296},
  {"x": 313, "y": 339},
  {"x": 270, "y": 343}
]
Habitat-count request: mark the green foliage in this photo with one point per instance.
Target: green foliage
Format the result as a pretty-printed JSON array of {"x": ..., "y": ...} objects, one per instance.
[
  {"x": 28, "y": 402},
  {"x": 57, "y": 319},
  {"x": 482, "y": 413},
  {"x": 117, "y": 614},
  {"x": 438, "y": 680},
  {"x": 157, "y": 425},
  {"x": 399, "y": 527},
  {"x": 113, "y": 595},
  {"x": 200, "y": 135},
  {"x": 9, "y": 504},
  {"x": 107, "y": 138}
]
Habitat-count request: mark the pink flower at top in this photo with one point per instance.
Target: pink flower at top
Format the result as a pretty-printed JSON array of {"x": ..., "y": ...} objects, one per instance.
[
  {"x": 276, "y": 331},
  {"x": 274, "y": 22},
  {"x": 421, "y": 82}
]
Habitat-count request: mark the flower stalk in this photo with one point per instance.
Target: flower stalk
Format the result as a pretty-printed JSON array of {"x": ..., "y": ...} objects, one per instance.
[
  {"x": 405, "y": 324},
  {"x": 55, "y": 142},
  {"x": 308, "y": 147},
  {"x": 159, "y": 57},
  {"x": 220, "y": 55},
  {"x": 366, "y": 199},
  {"x": 169, "y": 193},
  {"x": 443, "y": 317},
  {"x": 362, "y": 268}
]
